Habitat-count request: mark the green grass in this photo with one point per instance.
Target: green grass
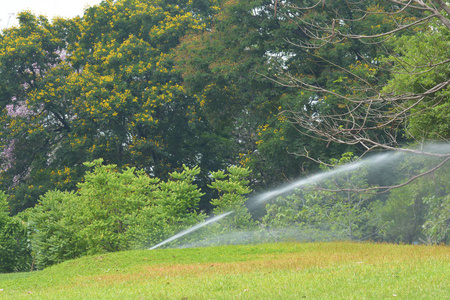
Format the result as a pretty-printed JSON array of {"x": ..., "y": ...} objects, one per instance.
[{"x": 339, "y": 270}]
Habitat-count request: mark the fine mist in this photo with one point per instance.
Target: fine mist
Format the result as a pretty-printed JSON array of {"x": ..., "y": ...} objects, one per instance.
[{"x": 353, "y": 201}]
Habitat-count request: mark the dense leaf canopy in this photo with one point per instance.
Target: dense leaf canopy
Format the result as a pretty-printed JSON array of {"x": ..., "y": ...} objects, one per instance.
[
  {"x": 186, "y": 108},
  {"x": 273, "y": 86},
  {"x": 100, "y": 86}
]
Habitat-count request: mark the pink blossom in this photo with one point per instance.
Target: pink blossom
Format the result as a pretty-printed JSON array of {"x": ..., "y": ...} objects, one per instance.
[
  {"x": 25, "y": 86},
  {"x": 18, "y": 109},
  {"x": 62, "y": 54},
  {"x": 8, "y": 155}
]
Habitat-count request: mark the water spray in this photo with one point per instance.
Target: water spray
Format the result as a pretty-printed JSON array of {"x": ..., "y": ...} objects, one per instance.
[
  {"x": 304, "y": 181},
  {"x": 193, "y": 228},
  {"x": 269, "y": 195},
  {"x": 373, "y": 162},
  {"x": 264, "y": 197}
]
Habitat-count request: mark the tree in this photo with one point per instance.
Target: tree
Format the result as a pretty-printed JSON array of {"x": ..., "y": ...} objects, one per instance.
[
  {"x": 27, "y": 54},
  {"x": 420, "y": 67},
  {"x": 103, "y": 85},
  {"x": 380, "y": 89},
  {"x": 227, "y": 68}
]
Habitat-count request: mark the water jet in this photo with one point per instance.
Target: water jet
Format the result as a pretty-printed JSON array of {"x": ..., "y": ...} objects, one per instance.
[
  {"x": 382, "y": 163},
  {"x": 192, "y": 229}
]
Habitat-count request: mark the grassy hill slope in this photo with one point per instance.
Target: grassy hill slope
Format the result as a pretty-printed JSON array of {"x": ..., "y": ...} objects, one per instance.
[{"x": 341, "y": 270}]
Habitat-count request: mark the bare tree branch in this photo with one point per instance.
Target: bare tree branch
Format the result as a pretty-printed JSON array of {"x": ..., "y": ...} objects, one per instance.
[
  {"x": 366, "y": 114},
  {"x": 386, "y": 189}
]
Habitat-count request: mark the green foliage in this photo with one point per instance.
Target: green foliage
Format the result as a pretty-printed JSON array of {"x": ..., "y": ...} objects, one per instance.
[
  {"x": 55, "y": 234},
  {"x": 437, "y": 226},
  {"x": 229, "y": 68},
  {"x": 14, "y": 247},
  {"x": 27, "y": 54},
  {"x": 165, "y": 85},
  {"x": 232, "y": 186},
  {"x": 103, "y": 85},
  {"x": 418, "y": 211},
  {"x": 401, "y": 217},
  {"x": 112, "y": 211},
  {"x": 418, "y": 65},
  {"x": 330, "y": 205},
  {"x": 173, "y": 208}
]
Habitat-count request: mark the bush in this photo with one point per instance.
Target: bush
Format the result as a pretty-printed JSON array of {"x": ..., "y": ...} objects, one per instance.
[
  {"x": 232, "y": 186},
  {"x": 55, "y": 229},
  {"x": 420, "y": 210},
  {"x": 112, "y": 211},
  {"x": 172, "y": 209},
  {"x": 15, "y": 254},
  {"x": 437, "y": 226},
  {"x": 332, "y": 205}
]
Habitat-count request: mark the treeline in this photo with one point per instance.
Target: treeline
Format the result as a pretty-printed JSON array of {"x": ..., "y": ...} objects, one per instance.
[
  {"x": 114, "y": 210},
  {"x": 151, "y": 85},
  {"x": 163, "y": 88}
]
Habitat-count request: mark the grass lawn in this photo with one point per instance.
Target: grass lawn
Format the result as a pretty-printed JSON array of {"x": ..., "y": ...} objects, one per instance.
[{"x": 339, "y": 270}]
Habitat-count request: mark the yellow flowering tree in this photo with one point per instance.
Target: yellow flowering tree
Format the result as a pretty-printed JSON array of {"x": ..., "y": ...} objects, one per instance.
[
  {"x": 103, "y": 85},
  {"x": 29, "y": 55}
]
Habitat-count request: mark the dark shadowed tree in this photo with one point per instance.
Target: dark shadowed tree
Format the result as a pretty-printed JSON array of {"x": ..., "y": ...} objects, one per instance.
[{"x": 374, "y": 73}]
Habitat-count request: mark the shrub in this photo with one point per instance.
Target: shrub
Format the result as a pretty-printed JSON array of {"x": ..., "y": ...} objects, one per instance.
[
  {"x": 333, "y": 205},
  {"x": 420, "y": 210},
  {"x": 55, "y": 229},
  {"x": 15, "y": 254},
  {"x": 232, "y": 186},
  {"x": 112, "y": 211}
]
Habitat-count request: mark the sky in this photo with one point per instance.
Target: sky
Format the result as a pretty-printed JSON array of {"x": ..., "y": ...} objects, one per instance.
[{"x": 49, "y": 8}]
